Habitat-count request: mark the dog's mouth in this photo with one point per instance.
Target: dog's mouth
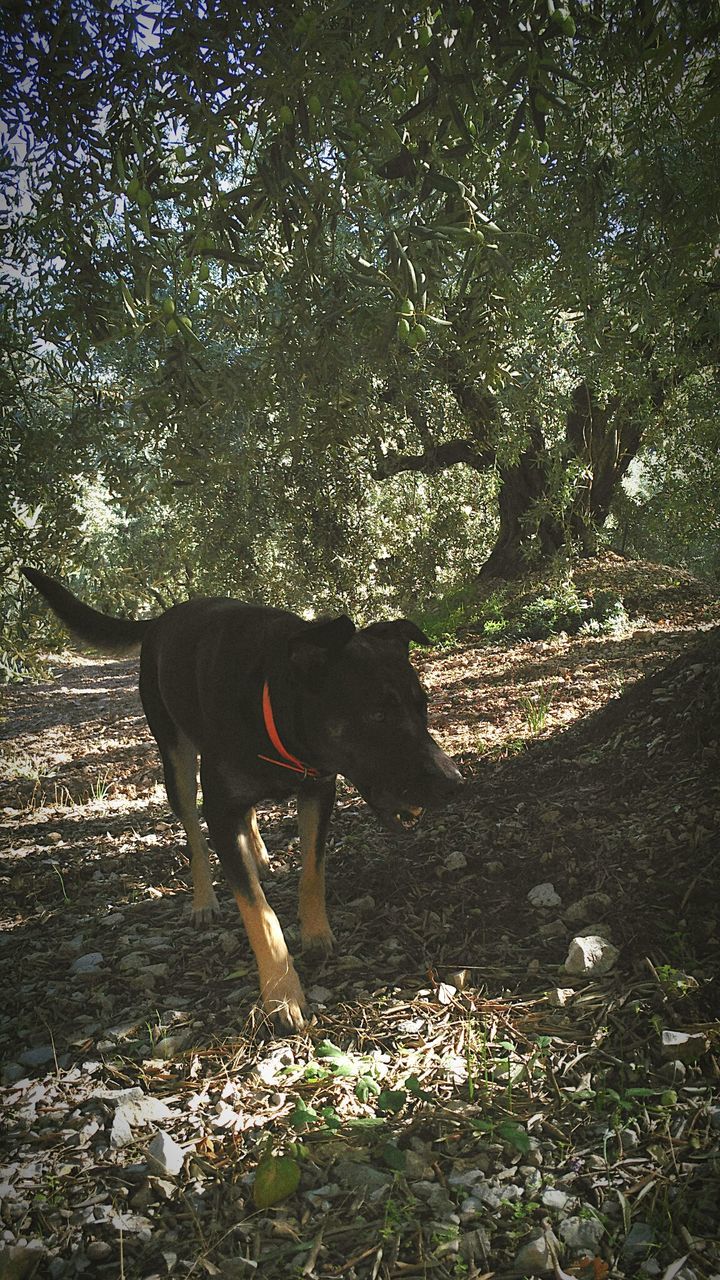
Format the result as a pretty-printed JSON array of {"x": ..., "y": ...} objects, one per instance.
[{"x": 405, "y": 819}]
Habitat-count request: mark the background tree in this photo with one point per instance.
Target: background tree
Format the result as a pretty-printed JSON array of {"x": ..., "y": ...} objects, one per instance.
[{"x": 258, "y": 256}]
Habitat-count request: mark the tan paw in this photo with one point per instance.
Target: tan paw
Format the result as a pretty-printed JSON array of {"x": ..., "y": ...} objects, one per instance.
[
  {"x": 205, "y": 910},
  {"x": 320, "y": 944},
  {"x": 284, "y": 1001}
]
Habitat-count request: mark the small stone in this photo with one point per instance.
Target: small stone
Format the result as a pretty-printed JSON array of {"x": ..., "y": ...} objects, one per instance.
[
  {"x": 169, "y": 1047},
  {"x": 591, "y": 956},
  {"x": 436, "y": 1198},
  {"x": 638, "y": 1242},
  {"x": 98, "y": 1250},
  {"x": 554, "y": 1198},
  {"x": 582, "y": 1233},
  {"x": 675, "y": 1071},
  {"x": 536, "y": 1256},
  {"x": 53, "y": 837},
  {"x": 319, "y": 994},
  {"x": 11, "y": 1072},
  {"x": 488, "y": 1196},
  {"x": 588, "y": 906},
  {"x": 542, "y": 896},
  {"x": 651, "y": 1267},
  {"x": 560, "y": 996},
  {"x": 685, "y": 1046},
  {"x": 38, "y": 1057},
  {"x": 417, "y": 1167},
  {"x": 363, "y": 907},
  {"x": 87, "y": 964},
  {"x": 470, "y": 1208},
  {"x": 455, "y": 861},
  {"x": 714, "y": 1114},
  {"x": 166, "y": 1154},
  {"x": 363, "y": 1177},
  {"x": 552, "y": 929}
]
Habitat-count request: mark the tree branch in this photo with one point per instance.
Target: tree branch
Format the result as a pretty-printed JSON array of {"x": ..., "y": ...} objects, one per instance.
[{"x": 433, "y": 459}]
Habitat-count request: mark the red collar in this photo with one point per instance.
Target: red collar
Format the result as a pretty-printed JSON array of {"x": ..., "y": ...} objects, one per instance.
[{"x": 289, "y": 761}]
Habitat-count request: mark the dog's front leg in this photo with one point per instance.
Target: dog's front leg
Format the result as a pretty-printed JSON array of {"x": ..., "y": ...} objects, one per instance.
[
  {"x": 315, "y": 806},
  {"x": 228, "y": 822}
]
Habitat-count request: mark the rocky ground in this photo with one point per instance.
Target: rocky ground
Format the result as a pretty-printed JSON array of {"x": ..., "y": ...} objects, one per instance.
[{"x": 466, "y": 1100}]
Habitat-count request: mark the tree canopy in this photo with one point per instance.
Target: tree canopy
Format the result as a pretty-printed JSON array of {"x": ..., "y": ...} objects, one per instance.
[{"x": 345, "y": 297}]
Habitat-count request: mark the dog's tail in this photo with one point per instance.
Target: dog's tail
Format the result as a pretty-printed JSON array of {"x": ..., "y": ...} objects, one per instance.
[{"x": 109, "y": 635}]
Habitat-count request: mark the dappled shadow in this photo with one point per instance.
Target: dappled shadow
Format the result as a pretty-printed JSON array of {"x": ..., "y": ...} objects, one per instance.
[
  {"x": 79, "y": 692},
  {"x": 437, "y": 998}
]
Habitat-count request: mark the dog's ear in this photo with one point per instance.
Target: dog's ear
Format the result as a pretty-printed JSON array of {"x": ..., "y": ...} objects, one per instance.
[
  {"x": 320, "y": 642},
  {"x": 400, "y": 632}
]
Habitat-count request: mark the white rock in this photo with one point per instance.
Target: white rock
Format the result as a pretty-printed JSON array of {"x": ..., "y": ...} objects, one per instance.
[
  {"x": 684, "y": 1046},
  {"x": 591, "y": 956},
  {"x": 560, "y": 996},
  {"x": 135, "y": 1109},
  {"x": 166, "y": 1154},
  {"x": 270, "y": 1068},
  {"x": 554, "y": 1198},
  {"x": 544, "y": 895}
]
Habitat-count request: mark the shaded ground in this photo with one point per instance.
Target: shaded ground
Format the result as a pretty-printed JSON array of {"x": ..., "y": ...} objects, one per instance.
[{"x": 458, "y": 1094}]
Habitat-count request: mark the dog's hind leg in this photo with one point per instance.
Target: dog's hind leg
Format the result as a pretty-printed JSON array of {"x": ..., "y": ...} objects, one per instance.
[
  {"x": 179, "y": 759},
  {"x": 315, "y": 806},
  {"x": 229, "y": 819},
  {"x": 180, "y": 764}
]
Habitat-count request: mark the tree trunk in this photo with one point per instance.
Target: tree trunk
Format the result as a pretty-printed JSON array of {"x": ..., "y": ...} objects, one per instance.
[
  {"x": 523, "y": 485},
  {"x": 600, "y": 439}
]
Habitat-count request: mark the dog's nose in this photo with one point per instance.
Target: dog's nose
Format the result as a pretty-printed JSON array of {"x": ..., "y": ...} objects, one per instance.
[{"x": 445, "y": 780}]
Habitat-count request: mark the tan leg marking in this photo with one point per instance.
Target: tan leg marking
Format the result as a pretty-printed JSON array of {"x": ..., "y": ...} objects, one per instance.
[
  {"x": 315, "y": 930},
  {"x": 205, "y": 905},
  {"x": 257, "y": 844},
  {"x": 282, "y": 993}
]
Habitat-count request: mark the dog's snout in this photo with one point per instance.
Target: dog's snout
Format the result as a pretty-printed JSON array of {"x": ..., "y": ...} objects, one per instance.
[{"x": 443, "y": 779}]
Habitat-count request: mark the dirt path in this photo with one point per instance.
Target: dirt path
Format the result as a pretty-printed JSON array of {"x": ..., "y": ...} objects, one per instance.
[{"x": 460, "y": 1109}]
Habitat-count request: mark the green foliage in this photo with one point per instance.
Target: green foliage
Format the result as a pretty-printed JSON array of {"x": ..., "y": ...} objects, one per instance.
[
  {"x": 257, "y": 256},
  {"x": 505, "y": 615}
]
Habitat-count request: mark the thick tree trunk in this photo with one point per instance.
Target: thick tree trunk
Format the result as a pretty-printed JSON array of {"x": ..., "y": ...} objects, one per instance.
[
  {"x": 522, "y": 487},
  {"x": 605, "y": 438},
  {"x": 602, "y": 438}
]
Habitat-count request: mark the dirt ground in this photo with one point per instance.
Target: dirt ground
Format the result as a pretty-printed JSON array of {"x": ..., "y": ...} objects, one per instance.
[{"x": 458, "y": 1098}]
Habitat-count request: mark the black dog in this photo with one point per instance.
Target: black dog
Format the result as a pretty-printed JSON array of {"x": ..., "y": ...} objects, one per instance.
[{"x": 273, "y": 705}]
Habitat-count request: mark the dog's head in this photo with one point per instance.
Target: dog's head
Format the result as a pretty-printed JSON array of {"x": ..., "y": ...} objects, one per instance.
[{"x": 364, "y": 714}]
